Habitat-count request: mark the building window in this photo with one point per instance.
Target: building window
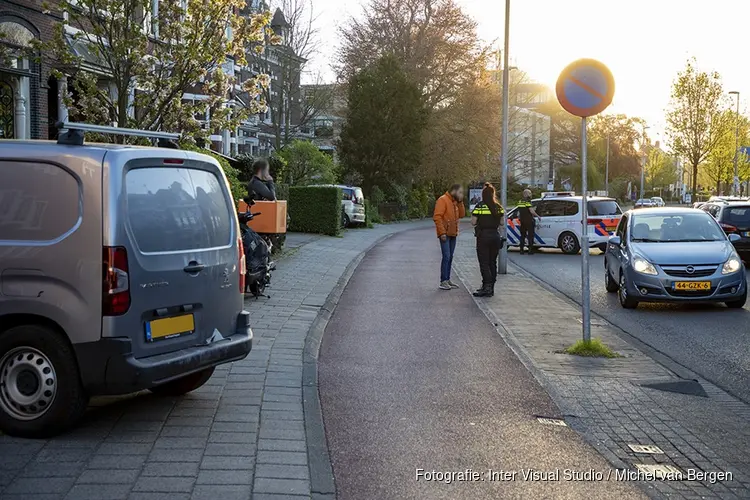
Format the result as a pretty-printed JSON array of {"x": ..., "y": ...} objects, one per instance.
[{"x": 526, "y": 141}]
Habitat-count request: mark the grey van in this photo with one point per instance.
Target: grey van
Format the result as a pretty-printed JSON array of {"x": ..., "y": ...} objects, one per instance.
[{"x": 120, "y": 270}]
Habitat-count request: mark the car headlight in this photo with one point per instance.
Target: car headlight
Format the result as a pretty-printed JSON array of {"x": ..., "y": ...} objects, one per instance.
[
  {"x": 732, "y": 265},
  {"x": 643, "y": 266}
]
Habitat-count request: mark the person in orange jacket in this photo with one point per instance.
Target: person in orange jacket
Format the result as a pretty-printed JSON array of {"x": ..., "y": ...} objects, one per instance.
[{"x": 449, "y": 209}]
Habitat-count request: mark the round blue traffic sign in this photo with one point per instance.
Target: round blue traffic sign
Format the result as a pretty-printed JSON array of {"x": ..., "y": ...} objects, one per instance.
[{"x": 585, "y": 87}]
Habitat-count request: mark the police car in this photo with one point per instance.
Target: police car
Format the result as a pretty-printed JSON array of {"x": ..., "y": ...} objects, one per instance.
[{"x": 561, "y": 221}]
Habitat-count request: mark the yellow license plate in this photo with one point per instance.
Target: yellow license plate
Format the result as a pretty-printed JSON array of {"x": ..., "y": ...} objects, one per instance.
[
  {"x": 692, "y": 285},
  {"x": 169, "y": 327}
]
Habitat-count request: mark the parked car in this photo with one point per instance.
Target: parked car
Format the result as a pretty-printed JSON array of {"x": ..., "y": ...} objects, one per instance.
[
  {"x": 734, "y": 218},
  {"x": 673, "y": 255},
  {"x": 122, "y": 271},
  {"x": 644, "y": 203},
  {"x": 698, "y": 204},
  {"x": 352, "y": 205},
  {"x": 658, "y": 201},
  {"x": 561, "y": 222}
]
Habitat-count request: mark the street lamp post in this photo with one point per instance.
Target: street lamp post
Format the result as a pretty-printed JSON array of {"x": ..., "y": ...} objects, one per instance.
[
  {"x": 736, "y": 180},
  {"x": 606, "y": 170},
  {"x": 502, "y": 264},
  {"x": 643, "y": 161}
]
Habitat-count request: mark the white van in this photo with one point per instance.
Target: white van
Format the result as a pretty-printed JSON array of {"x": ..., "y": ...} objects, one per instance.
[{"x": 352, "y": 204}]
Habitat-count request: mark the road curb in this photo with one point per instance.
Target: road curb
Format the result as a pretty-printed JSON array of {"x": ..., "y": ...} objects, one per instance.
[{"x": 322, "y": 482}]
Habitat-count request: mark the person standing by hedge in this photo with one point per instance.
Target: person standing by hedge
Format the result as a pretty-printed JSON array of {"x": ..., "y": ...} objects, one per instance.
[
  {"x": 449, "y": 209},
  {"x": 261, "y": 187}
]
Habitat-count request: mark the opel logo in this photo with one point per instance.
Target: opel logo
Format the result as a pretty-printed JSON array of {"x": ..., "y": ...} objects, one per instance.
[{"x": 690, "y": 269}]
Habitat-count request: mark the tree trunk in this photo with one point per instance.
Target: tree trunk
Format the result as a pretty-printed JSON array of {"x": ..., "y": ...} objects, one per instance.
[{"x": 695, "y": 181}]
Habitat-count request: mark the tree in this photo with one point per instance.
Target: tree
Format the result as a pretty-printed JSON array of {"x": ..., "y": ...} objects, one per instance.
[
  {"x": 306, "y": 164},
  {"x": 625, "y": 140},
  {"x": 695, "y": 122},
  {"x": 435, "y": 41},
  {"x": 661, "y": 170},
  {"x": 380, "y": 142},
  {"x": 141, "y": 62},
  {"x": 462, "y": 141},
  {"x": 287, "y": 46}
]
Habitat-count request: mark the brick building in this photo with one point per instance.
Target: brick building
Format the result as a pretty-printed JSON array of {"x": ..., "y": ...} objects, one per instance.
[{"x": 29, "y": 102}]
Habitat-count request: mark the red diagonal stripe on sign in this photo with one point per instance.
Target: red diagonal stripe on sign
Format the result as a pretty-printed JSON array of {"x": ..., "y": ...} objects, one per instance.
[{"x": 588, "y": 88}]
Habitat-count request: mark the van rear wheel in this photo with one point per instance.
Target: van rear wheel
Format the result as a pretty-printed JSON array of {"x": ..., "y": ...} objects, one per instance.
[
  {"x": 41, "y": 393},
  {"x": 185, "y": 384}
]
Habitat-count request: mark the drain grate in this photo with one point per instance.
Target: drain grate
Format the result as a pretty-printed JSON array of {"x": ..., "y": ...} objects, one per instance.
[
  {"x": 645, "y": 448},
  {"x": 551, "y": 421},
  {"x": 660, "y": 471}
]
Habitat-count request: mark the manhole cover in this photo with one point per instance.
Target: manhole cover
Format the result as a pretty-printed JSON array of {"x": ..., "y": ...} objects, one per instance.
[
  {"x": 660, "y": 471},
  {"x": 645, "y": 448},
  {"x": 551, "y": 421}
]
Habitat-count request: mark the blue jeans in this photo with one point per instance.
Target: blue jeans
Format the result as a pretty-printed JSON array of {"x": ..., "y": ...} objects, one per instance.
[{"x": 447, "y": 247}]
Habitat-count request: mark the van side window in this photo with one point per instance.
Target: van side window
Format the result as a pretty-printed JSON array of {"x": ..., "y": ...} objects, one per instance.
[
  {"x": 38, "y": 201},
  {"x": 173, "y": 209}
]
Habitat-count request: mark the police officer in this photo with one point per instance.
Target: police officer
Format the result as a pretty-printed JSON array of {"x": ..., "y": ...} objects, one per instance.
[
  {"x": 486, "y": 218},
  {"x": 527, "y": 214}
]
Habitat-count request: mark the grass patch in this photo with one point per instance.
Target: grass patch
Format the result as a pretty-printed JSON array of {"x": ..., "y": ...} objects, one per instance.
[{"x": 595, "y": 348}]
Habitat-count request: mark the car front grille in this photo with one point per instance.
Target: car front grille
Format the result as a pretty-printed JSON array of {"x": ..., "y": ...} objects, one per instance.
[
  {"x": 685, "y": 271},
  {"x": 690, "y": 293}
]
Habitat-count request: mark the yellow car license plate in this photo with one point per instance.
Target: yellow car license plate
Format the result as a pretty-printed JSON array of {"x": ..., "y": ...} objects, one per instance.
[
  {"x": 692, "y": 285},
  {"x": 166, "y": 328}
]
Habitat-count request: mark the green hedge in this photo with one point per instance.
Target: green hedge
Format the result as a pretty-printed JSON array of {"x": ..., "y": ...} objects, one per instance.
[{"x": 315, "y": 209}]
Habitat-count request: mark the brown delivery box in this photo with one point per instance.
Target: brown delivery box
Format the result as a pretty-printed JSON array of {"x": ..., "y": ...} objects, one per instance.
[{"x": 272, "y": 218}]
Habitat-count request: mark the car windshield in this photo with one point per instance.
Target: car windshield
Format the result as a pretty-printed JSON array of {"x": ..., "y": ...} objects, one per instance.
[
  {"x": 604, "y": 208},
  {"x": 673, "y": 228}
]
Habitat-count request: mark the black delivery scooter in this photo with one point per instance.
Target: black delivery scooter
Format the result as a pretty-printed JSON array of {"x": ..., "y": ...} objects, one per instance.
[{"x": 258, "y": 263}]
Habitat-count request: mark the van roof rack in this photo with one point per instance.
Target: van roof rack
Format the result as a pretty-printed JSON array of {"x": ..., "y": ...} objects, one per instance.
[{"x": 72, "y": 134}]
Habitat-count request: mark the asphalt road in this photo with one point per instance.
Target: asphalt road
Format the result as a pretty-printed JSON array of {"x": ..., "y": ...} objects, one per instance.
[
  {"x": 414, "y": 377},
  {"x": 709, "y": 339}
]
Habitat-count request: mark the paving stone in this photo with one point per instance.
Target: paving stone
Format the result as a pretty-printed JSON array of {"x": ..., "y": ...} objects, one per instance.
[
  {"x": 108, "y": 476},
  {"x": 282, "y": 445},
  {"x": 282, "y": 486},
  {"x": 246, "y": 463},
  {"x": 282, "y": 471},
  {"x": 281, "y": 457},
  {"x": 225, "y": 477},
  {"x": 224, "y": 492},
  {"x": 98, "y": 492},
  {"x": 33, "y": 485},
  {"x": 232, "y": 437},
  {"x": 171, "y": 469},
  {"x": 175, "y": 455},
  {"x": 158, "y": 496},
  {"x": 165, "y": 484}
]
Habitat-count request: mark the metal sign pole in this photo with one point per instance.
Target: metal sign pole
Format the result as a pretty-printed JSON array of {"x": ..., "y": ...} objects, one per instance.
[
  {"x": 502, "y": 260},
  {"x": 585, "y": 293}
]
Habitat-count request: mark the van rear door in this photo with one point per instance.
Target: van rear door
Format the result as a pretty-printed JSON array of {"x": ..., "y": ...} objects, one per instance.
[{"x": 180, "y": 232}]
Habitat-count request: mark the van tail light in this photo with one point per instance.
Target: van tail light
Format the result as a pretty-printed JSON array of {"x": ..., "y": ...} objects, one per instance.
[
  {"x": 241, "y": 263},
  {"x": 728, "y": 228},
  {"x": 116, "y": 284}
]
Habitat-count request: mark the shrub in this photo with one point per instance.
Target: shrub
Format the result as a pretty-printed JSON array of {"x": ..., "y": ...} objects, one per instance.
[
  {"x": 315, "y": 209},
  {"x": 282, "y": 191},
  {"x": 419, "y": 204},
  {"x": 372, "y": 216}
]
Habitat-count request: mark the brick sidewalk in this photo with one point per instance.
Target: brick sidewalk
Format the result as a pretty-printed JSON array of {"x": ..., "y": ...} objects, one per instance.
[
  {"x": 605, "y": 399},
  {"x": 247, "y": 433}
]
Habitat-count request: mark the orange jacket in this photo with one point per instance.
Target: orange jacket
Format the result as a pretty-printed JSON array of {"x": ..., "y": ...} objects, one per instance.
[{"x": 447, "y": 214}]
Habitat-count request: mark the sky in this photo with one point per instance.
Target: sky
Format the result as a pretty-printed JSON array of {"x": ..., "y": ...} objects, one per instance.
[{"x": 644, "y": 42}]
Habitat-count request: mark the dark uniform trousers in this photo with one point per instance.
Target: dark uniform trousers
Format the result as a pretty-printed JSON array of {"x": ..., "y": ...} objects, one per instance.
[
  {"x": 527, "y": 234},
  {"x": 488, "y": 246}
]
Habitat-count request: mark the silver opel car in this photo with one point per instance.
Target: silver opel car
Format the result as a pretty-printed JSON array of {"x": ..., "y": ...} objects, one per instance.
[{"x": 673, "y": 255}]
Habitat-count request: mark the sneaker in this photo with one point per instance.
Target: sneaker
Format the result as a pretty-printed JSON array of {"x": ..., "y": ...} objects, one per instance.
[
  {"x": 445, "y": 285},
  {"x": 453, "y": 285}
]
